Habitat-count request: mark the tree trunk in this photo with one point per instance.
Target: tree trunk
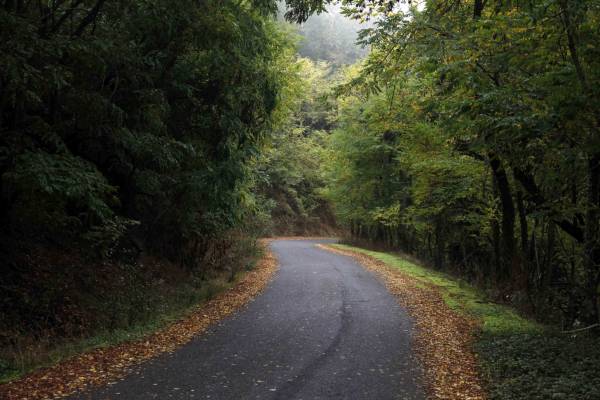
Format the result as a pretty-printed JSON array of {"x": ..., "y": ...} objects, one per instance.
[
  {"x": 509, "y": 259},
  {"x": 592, "y": 247},
  {"x": 548, "y": 264},
  {"x": 478, "y": 8},
  {"x": 439, "y": 244},
  {"x": 495, "y": 267},
  {"x": 523, "y": 224}
]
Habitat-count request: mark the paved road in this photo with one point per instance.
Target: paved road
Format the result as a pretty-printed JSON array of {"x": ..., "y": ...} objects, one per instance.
[{"x": 324, "y": 329}]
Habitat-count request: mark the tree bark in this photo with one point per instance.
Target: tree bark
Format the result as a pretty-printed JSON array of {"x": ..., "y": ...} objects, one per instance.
[
  {"x": 535, "y": 195},
  {"x": 592, "y": 242},
  {"x": 592, "y": 247},
  {"x": 89, "y": 18},
  {"x": 439, "y": 243},
  {"x": 508, "y": 217},
  {"x": 522, "y": 223},
  {"x": 478, "y": 8}
]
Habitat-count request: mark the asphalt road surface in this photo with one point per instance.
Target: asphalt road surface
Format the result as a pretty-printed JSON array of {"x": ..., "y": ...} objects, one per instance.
[{"x": 323, "y": 329}]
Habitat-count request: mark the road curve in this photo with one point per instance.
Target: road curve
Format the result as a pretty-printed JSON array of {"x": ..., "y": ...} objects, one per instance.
[{"x": 323, "y": 329}]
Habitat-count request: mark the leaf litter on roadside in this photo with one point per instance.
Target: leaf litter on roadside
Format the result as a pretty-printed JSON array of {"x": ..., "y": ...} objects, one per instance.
[
  {"x": 105, "y": 365},
  {"x": 444, "y": 338}
]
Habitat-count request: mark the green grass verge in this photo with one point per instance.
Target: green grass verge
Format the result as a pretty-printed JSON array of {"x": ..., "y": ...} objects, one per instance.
[{"x": 520, "y": 359}]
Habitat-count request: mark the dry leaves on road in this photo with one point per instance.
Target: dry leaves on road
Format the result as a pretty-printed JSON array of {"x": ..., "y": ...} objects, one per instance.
[
  {"x": 443, "y": 339},
  {"x": 105, "y": 365}
]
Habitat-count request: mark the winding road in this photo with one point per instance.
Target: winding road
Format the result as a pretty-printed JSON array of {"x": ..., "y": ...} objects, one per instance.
[{"x": 324, "y": 328}]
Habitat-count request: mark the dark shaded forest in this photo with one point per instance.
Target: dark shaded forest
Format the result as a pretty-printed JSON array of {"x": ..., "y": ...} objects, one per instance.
[
  {"x": 143, "y": 149},
  {"x": 131, "y": 140}
]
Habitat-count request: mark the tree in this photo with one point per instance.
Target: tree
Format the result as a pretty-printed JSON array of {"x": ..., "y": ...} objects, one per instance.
[
  {"x": 134, "y": 124},
  {"x": 509, "y": 87}
]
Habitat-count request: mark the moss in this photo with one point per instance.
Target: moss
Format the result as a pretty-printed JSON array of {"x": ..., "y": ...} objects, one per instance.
[{"x": 460, "y": 296}]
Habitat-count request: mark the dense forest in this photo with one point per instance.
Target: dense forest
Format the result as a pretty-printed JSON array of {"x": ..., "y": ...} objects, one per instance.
[
  {"x": 145, "y": 146},
  {"x": 470, "y": 138},
  {"x": 134, "y": 156}
]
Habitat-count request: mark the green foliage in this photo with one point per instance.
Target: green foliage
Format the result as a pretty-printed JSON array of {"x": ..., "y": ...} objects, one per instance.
[
  {"x": 290, "y": 177},
  {"x": 469, "y": 138},
  {"x": 61, "y": 179},
  {"x": 129, "y": 130},
  {"x": 144, "y": 112}
]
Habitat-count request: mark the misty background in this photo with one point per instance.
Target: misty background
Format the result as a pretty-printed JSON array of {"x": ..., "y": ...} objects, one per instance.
[{"x": 330, "y": 37}]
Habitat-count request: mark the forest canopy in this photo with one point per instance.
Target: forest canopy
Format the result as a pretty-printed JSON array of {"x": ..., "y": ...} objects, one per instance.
[
  {"x": 122, "y": 118},
  {"x": 470, "y": 137}
]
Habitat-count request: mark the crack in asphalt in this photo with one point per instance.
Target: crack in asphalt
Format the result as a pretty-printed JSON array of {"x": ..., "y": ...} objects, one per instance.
[{"x": 291, "y": 388}]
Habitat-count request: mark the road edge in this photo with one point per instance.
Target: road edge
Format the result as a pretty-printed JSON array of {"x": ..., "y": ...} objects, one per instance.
[
  {"x": 443, "y": 338},
  {"x": 103, "y": 366}
]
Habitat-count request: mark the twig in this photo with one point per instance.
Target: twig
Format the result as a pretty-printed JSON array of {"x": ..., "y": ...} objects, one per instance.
[{"x": 582, "y": 329}]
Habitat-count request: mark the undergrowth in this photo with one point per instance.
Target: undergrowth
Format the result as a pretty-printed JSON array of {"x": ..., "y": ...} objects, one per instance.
[
  {"x": 520, "y": 358},
  {"x": 102, "y": 307},
  {"x": 27, "y": 354}
]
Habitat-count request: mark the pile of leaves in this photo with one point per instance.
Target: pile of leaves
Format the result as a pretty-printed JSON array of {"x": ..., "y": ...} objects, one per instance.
[
  {"x": 104, "y": 365},
  {"x": 444, "y": 339}
]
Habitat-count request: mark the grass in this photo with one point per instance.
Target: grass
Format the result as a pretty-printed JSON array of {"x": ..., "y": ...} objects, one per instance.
[
  {"x": 520, "y": 358},
  {"x": 25, "y": 356},
  {"x": 64, "y": 304},
  {"x": 458, "y": 295}
]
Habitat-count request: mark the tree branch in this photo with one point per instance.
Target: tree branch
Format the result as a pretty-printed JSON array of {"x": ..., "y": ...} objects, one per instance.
[
  {"x": 536, "y": 196},
  {"x": 89, "y": 18}
]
